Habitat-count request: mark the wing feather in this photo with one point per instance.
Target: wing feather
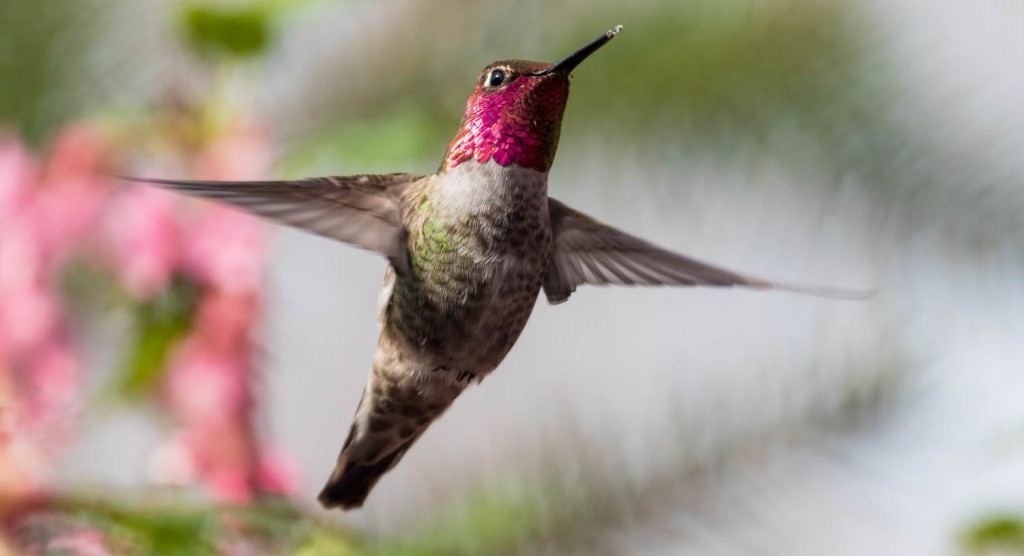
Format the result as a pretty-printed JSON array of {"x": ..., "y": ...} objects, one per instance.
[
  {"x": 589, "y": 252},
  {"x": 361, "y": 210}
]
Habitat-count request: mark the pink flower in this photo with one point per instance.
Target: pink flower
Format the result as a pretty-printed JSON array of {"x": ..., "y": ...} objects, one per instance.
[
  {"x": 37, "y": 410},
  {"x": 36, "y": 413},
  {"x": 231, "y": 484},
  {"x": 67, "y": 211},
  {"x": 222, "y": 460},
  {"x": 142, "y": 238},
  {"x": 29, "y": 310},
  {"x": 23, "y": 463},
  {"x": 73, "y": 189},
  {"x": 50, "y": 215},
  {"x": 208, "y": 391},
  {"x": 209, "y": 387},
  {"x": 79, "y": 150},
  {"x": 54, "y": 381},
  {"x": 205, "y": 387},
  {"x": 39, "y": 373},
  {"x": 18, "y": 173},
  {"x": 226, "y": 250},
  {"x": 225, "y": 322},
  {"x": 278, "y": 473},
  {"x": 79, "y": 542}
]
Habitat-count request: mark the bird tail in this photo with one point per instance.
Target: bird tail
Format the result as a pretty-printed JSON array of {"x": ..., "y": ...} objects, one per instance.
[{"x": 388, "y": 421}]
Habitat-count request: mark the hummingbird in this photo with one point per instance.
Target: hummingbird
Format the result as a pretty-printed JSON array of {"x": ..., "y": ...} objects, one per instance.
[{"x": 469, "y": 250}]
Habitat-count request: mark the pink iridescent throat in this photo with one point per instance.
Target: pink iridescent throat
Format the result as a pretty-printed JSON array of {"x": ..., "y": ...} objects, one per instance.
[{"x": 518, "y": 124}]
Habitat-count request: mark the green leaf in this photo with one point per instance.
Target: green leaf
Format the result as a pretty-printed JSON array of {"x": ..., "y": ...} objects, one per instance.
[
  {"x": 997, "y": 534},
  {"x": 324, "y": 542},
  {"x": 241, "y": 31},
  {"x": 171, "y": 532},
  {"x": 159, "y": 325}
]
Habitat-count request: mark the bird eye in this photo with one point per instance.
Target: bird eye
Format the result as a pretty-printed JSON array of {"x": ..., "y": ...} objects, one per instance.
[{"x": 496, "y": 78}]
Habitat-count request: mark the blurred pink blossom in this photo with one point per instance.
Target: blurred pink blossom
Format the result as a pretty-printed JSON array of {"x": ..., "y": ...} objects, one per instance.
[
  {"x": 67, "y": 211},
  {"x": 210, "y": 386},
  {"x": 43, "y": 217},
  {"x": 23, "y": 461},
  {"x": 17, "y": 176},
  {"x": 55, "y": 377},
  {"x": 73, "y": 191},
  {"x": 142, "y": 239},
  {"x": 37, "y": 407},
  {"x": 206, "y": 387},
  {"x": 63, "y": 208},
  {"x": 226, "y": 249},
  {"x": 226, "y": 321},
  {"x": 79, "y": 150},
  {"x": 29, "y": 311},
  {"x": 81, "y": 541},
  {"x": 278, "y": 473},
  {"x": 209, "y": 389}
]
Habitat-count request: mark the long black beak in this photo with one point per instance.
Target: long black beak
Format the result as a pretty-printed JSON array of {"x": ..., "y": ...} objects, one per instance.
[{"x": 574, "y": 59}]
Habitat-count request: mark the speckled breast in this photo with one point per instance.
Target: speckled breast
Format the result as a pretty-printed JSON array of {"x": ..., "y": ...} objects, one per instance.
[{"x": 479, "y": 242}]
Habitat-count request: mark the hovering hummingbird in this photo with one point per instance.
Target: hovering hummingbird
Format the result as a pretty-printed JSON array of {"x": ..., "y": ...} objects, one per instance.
[{"x": 469, "y": 249}]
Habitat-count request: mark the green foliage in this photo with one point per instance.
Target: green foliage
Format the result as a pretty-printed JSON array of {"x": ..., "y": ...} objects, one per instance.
[
  {"x": 89, "y": 288},
  {"x": 174, "y": 528},
  {"x": 158, "y": 326},
  {"x": 996, "y": 534},
  {"x": 241, "y": 31},
  {"x": 704, "y": 73},
  {"x": 388, "y": 143},
  {"x": 325, "y": 542},
  {"x": 698, "y": 67},
  {"x": 495, "y": 521},
  {"x": 171, "y": 532},
  {"x": 41, "y": 44}
]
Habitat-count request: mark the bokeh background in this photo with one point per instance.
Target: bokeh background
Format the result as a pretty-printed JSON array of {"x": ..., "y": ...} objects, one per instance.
[{"x": 177, "y": 379}]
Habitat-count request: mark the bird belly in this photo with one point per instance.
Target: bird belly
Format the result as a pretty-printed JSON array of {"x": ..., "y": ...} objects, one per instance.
[
  {"x": 478, "y": 260},
  {"x": 460, "y": 331}
]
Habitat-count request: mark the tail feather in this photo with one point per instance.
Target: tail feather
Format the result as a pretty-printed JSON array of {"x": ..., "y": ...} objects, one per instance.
[
  {"x": 388, "y": 421},
  {"x": 352, "y": 481}
]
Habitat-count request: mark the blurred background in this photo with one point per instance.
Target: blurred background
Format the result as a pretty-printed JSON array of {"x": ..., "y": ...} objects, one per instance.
[{"x": 177, "y": 378}]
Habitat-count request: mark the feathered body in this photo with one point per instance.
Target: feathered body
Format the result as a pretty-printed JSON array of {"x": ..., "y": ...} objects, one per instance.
[
  {"x": 478, "y": 236},
  {"x": 469, "y": 249}
]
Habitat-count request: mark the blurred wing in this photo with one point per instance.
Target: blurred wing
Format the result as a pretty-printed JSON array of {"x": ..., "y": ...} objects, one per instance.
[
  {"x": 589, "y": 252},
  {"x": 361, "y": 210}
]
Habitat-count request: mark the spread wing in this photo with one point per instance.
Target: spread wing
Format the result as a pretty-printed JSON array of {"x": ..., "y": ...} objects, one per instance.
[
  {"x": 589, "y": 252},
  {"x": 361, "y": 210}
]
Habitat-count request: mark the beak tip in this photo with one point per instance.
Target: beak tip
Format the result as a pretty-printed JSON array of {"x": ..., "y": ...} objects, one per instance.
[{"x": 574, "y": 59}]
